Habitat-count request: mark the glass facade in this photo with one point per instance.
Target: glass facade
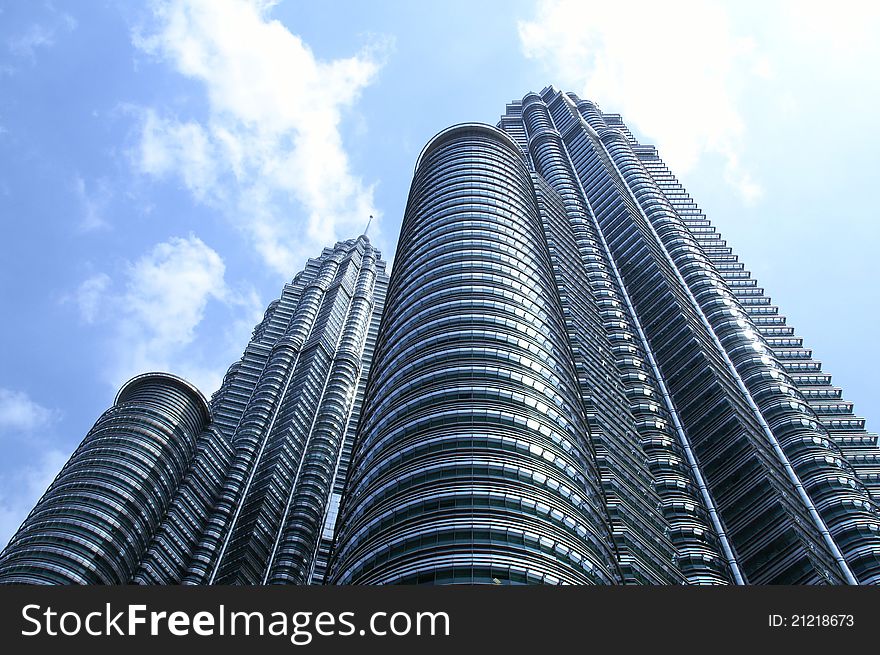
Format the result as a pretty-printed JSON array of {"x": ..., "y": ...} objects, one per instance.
[
  {"x": 474, "y": 461},
  {"x": 93, "y": 524},
  {"x": 721, "y": 453},
  {"x": 569, "y": 378},
  {"x": 292, "y": 424},
  {"x": 778, "y": 497},
  {"x": 167, "y": 488}
]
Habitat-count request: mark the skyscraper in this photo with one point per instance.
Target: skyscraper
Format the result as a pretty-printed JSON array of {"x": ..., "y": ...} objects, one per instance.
[
  {"x": 577, "y": 381},
  {"x": 169, "y": 488},
  {"x": 573, "y": 380}
]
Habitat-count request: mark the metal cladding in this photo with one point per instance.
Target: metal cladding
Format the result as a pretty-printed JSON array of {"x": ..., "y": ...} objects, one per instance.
[
  {"x": 784, "y": 503},
  {"x": 568, "y": 379},
  {"x": 292, "y": 436},
  {"x": 473, "y": 461},
  {"x": 164, "y": 490},
  {"x": 720, "y": 452},
  {"x": 94, "y": 522}
]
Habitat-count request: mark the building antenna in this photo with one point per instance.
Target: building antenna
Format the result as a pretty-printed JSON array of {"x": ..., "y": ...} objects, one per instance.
[{"x": 367, "y": 229}]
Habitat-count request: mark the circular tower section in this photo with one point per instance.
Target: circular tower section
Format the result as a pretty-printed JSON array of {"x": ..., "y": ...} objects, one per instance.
[
  {"x": 96, "y": 519},
  {"x": 473, "y": 461}
]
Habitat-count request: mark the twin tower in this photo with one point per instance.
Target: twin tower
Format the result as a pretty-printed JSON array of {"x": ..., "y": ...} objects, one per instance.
[{"x": 569, "y": 378}]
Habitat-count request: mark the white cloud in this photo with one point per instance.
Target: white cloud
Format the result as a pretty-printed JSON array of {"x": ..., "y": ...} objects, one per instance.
[
  {"x": 154, "y": 312},
  {"x": 25, "y": 425},
  {"x": 22, "y": 487},
  {"x": 164, "y": 300},
  {"x": 92, "y": 203},
  {"x": 675, "y": 71},
  {"x": 169, "y": 146},
  {"x": 844, "y": 36},
  {"x": 18, "y": 413},
  {"x": 89, "y": 296},
  {"x": 168, "y": 287},
  {"x": 36, "y": 36},
  {"x": 39, "y": 35},
  {"x": 269, "y": 153}
]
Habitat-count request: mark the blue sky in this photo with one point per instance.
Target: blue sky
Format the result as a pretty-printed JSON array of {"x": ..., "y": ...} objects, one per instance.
[{"x": 166, "y": 167}]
